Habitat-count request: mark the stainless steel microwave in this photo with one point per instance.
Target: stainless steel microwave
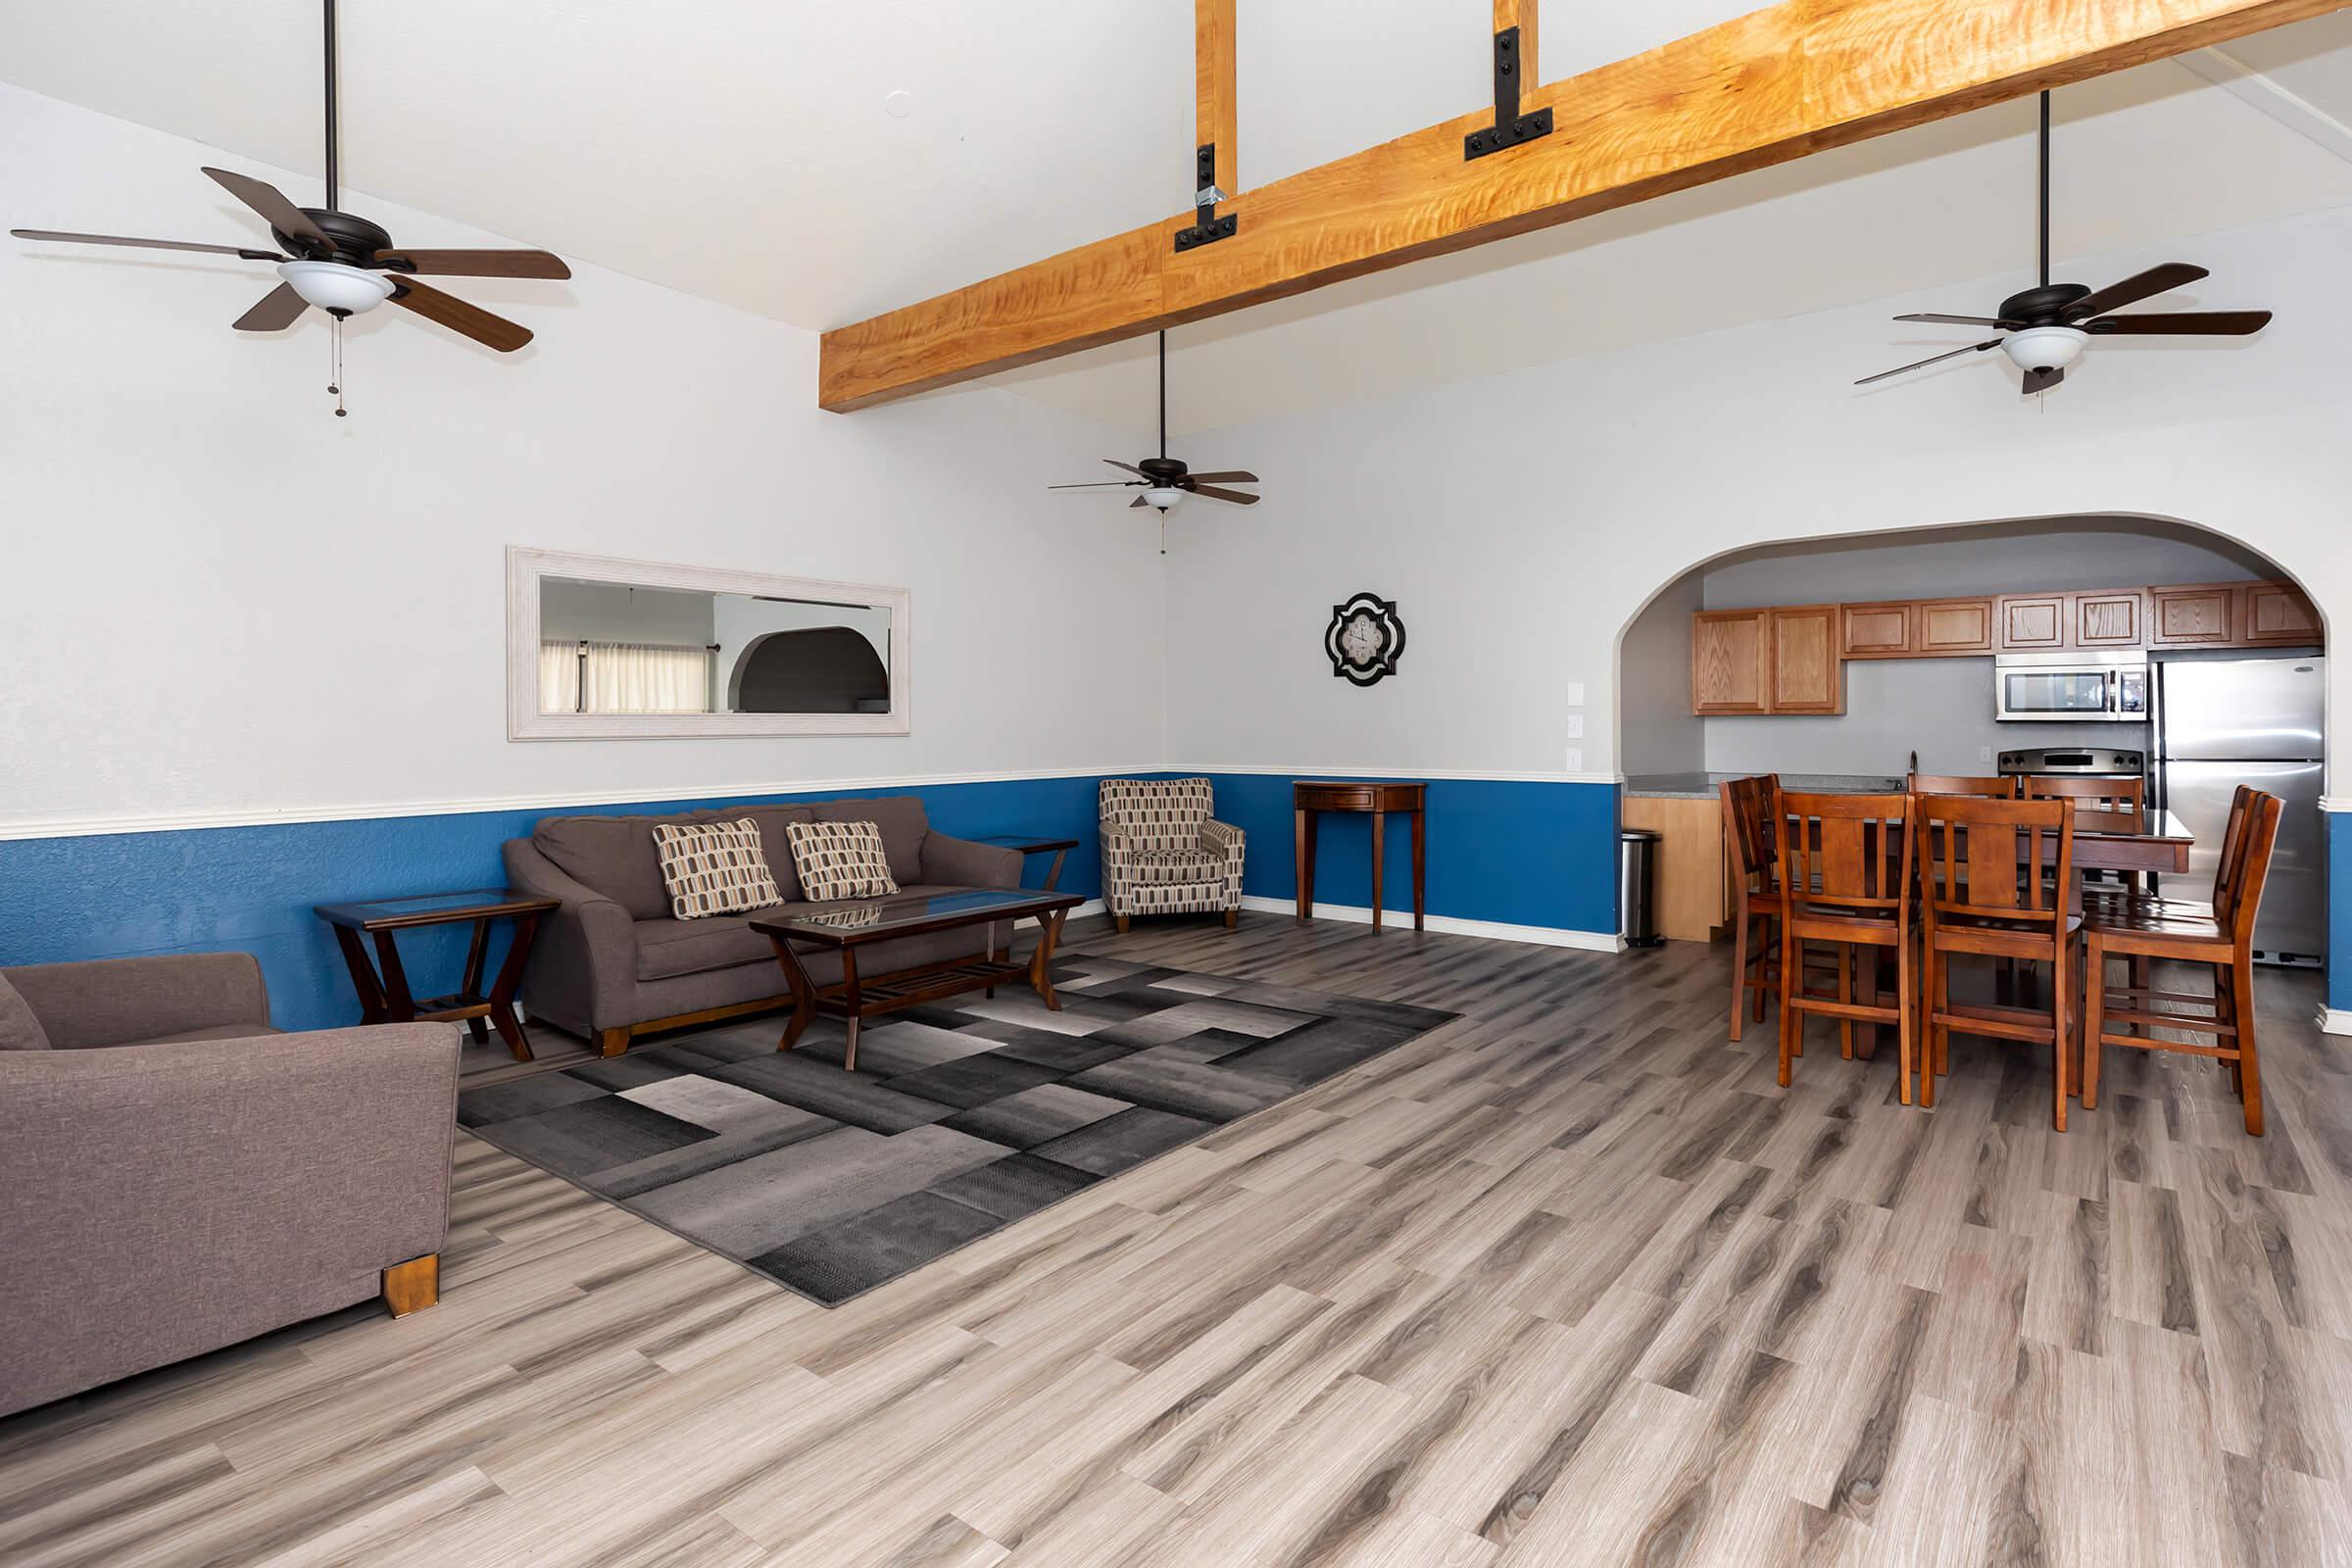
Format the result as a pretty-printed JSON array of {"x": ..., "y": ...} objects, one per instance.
[{"x": 2077, "y": 688}]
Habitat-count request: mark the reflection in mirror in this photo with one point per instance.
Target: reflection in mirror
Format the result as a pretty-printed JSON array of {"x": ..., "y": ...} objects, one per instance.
[{"x": 618, "y": 647}]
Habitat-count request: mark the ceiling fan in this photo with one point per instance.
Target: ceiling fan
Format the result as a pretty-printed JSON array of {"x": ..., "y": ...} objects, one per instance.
[
  {"x": 1165, "y": 480},
  {"x": 2045, "y": 329},
  {"x": 344, "y": 263}
]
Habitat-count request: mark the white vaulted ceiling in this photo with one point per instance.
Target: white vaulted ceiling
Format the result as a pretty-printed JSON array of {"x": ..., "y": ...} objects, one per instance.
[{"x": 749, "y": 151}]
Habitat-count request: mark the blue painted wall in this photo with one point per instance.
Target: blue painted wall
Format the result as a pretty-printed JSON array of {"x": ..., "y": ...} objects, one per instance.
[
  {"x": 252, "y": 888},
  {"x": 1518, "y": 854},
  {"x": 2339, "y": 911}
]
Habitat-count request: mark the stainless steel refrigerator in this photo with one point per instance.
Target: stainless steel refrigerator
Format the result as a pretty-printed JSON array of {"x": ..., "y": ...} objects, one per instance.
[{"x": 2217, "y": 723}]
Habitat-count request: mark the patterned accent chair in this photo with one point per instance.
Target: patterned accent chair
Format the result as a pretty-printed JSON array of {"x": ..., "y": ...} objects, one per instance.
[{"x": 1163, "y": 854}]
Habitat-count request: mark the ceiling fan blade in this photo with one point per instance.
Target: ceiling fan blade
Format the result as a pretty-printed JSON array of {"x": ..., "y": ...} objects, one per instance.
[
  {"x": 1240, "y": 498},
  {"x": 1936, "y": 358},
  {"x": 2139, "y": 286},
  {"x": 276, "y": 310},
  {"x": 476, "y": 264},
  {"x": 2185, "y": 323},
  {"x": 270, "y": 202},
  {"x": 147, "y": 244},
  {"x": 1099, "y": 484},
  {"x": 1234, "y": 476},
  {"x": 1129, "y": 466},
  {"x": 2043, "y": 380},
  {"x": 1953, "y": 321},
  {"x": 493, "y": 331}
]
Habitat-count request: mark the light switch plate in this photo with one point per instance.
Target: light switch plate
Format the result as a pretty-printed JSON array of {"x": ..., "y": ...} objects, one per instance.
[
  {"x": 1576, "y": 726},
  {"x": 1572, "y": 693},
  {"x": 1576, "y": 760}
]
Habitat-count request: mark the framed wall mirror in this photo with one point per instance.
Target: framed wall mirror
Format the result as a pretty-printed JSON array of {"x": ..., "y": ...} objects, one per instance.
[{"x": 601, "y": 648}]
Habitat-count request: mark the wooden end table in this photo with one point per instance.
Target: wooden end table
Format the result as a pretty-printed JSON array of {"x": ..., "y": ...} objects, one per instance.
[
  {"x": 849, "y": 926},
  {"x": 1025, "y": 844},
  {"x": 385, "y": 998},
  {"x": 1309, "y": 796}
]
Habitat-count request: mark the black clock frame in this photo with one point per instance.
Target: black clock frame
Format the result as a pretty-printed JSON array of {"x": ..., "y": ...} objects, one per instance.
[{"x": 1392, "y": 627}]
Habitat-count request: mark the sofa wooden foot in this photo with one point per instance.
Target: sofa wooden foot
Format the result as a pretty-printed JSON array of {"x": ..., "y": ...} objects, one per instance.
[
  {"x": 1232, "y": 918},
  {"x": 413, "y": 1285},
  {"x": 612, "y": 1042},
  {"x": 1120, "y": 921}
]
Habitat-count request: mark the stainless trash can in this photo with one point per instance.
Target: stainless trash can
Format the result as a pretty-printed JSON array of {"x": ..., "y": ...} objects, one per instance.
[{"x": 1636, "y": 869}]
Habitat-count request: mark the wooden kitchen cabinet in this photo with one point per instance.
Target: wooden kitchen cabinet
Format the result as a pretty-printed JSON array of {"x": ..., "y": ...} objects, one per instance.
[
  {"x": 2198, "y": 615},
  {"x": 1808, "y": 673},
  {"x": 1877, "y": 631},
  {"x": 2275, "y": 613},
  {"x": 2109, "y": 619},
  {"x": 1731, "y": 662},
  {"x": 1949, "y": 627},
  {"x": 1692, "y": 894},
  {"x": 2031, "y": 622}
]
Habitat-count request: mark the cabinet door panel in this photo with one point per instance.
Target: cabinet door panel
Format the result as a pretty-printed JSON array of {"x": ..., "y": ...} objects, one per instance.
[
  {"x": 2191, "y": 618},
  {"x": 2033, "y": 621},
  {"x": 1807, "y": 674},
  {"x": 2106, "y": 619},
  {"x": 1731, "y": 662},
  {"x": 2276, "y": 612},
  {"x": 1953, "y": 626},
  {"x": 1878, "y": 631}
]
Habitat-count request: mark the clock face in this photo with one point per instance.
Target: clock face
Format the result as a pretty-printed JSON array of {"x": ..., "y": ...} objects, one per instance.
[{"x": 1364, "y": 639}]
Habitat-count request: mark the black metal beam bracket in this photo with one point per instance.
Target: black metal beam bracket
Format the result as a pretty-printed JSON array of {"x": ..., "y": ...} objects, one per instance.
[
  {"x": 1511, "y": 128},
  {"x": 1207, "y": 227}
]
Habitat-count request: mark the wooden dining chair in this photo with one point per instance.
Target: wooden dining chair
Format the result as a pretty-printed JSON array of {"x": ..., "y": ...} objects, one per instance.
[
  {"x": 1846, "y": 884},
  {"x": 1751, "y": 845},
  {"x": 1985, "y": 786},
  {"x": 2127, "y": 798},
  {"x": 1983, "y": 894},
  {"x": 2222, "y": 940}
]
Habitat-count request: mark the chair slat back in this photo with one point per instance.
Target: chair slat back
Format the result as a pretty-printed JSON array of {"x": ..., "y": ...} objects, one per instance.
[
  {"x": 2126, "y": 799},
  {"x": 1845, "y": 854},
  {"x": 1751, "y": 830},
  {"x": 2234, "y": 842},
  {"x": 1996, "y": 789},
  {"x": 1984, "y": 858},
  {"x": 2254, "y": 849}
]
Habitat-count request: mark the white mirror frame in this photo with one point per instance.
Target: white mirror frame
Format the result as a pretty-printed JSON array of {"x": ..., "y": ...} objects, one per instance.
[{"x": 524, "y": 722}]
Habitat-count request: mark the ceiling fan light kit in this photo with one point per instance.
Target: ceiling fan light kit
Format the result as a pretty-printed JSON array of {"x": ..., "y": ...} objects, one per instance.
[
  {"x": 2043, "y": 330},
  {"x": 335, "y": 288}
]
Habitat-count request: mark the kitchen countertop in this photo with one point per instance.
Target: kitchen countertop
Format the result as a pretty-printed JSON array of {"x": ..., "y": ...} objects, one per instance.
[{"x": 1702, "y": 786}]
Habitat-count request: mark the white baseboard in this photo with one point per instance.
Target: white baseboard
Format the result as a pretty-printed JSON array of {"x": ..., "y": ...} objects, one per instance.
[
  {"x": 1545, "y": 936},
  {"x": 2335, "y": 1021}
]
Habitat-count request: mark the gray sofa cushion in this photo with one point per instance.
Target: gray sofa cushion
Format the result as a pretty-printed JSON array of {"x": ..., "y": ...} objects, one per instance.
[
  {"x": 215, "y": 1031},
  {"x": 904, "y": 824},
  {"x": 613, "y": 854},
  {"x": 20, "y": 1030}
]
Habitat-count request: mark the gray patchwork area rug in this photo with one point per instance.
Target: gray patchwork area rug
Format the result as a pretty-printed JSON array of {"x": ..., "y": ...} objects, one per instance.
[{"x": 961, "y": 1118}]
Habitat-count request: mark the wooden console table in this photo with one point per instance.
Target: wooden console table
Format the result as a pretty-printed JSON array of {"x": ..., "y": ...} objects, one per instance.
[{"x": 1309, "y": 796}]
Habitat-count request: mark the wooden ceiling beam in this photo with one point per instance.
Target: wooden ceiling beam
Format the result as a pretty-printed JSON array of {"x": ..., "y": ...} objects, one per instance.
[
  {"x": 1521, "y": 13},
  {"x": 1216, "y": 104},
  {"x": 1762, "y": 89}
]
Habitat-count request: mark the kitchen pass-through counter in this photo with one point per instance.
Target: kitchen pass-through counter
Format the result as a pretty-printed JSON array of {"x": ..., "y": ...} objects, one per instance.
[{"x": 1704, "y": 786}]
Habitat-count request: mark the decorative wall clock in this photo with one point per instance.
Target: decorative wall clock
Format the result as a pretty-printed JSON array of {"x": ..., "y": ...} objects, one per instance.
[{"x": 1365, "y": 639}]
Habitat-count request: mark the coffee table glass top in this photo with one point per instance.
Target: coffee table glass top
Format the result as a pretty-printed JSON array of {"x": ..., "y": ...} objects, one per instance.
[{"x": 857, "y": 919}]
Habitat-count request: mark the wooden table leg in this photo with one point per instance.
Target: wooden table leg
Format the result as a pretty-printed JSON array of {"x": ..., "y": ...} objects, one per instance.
[
  {"x": 510, "y": 981},
  {"x": 1053, "y": 873},
  {"x": 1380, "y": 822},
  {"x": 1305, "y": 840},
  {"x": 362, "y": 976},
  {"x": 476, "y": 950},
  {"x": 803, "y": 994},
  {"x": 1041, "y": 979},
  {"x": 399, "y": 1005},
  {"x": 1420, "y": 864},
  {"x": 854, "y": 1000}
]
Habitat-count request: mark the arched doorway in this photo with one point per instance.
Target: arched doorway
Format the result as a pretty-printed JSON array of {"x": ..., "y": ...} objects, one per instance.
[{"x": 813, "y": 670}]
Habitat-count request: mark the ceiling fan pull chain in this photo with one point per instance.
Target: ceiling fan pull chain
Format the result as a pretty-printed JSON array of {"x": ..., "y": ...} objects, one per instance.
[{"x": 334, "y": 362}]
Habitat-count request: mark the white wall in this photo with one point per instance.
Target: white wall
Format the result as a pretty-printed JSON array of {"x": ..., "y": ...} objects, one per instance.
[
  {"x": 615, "y": 613},
  {"x": 1520, "y": 521},
  {"x": 306, "y": 613},
  {"x": 1667, "y": 738}
]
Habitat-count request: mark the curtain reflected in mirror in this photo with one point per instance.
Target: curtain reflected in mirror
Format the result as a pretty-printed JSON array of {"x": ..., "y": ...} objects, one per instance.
[{"x": 615, "y": 648}]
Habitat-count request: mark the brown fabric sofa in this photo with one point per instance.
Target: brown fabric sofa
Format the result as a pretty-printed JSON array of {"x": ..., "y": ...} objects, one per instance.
[
  {"x": 612, "y": 962},
  {"x": 176, "y": 1175}
]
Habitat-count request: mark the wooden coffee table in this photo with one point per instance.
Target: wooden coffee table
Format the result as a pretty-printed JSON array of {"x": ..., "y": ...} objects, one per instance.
[{"x": 847, "y": 927}]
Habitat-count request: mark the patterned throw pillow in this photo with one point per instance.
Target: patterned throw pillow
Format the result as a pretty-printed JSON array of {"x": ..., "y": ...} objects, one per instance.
[
  {"x": 840, "y": 860},
  {"x": 714, "y": 868}
]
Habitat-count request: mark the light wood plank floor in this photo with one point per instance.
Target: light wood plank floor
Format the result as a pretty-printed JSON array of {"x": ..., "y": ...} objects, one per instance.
[{"x": 1568, "y": 1282}]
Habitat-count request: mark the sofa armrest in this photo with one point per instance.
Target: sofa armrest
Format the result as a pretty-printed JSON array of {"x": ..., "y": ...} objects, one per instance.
[
  {"x": 160, "y": 1201},
  {"x": 109, "y": 1002},
  {"x": 583, "y": 972},
  {"x": 960, "y": 862}
]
